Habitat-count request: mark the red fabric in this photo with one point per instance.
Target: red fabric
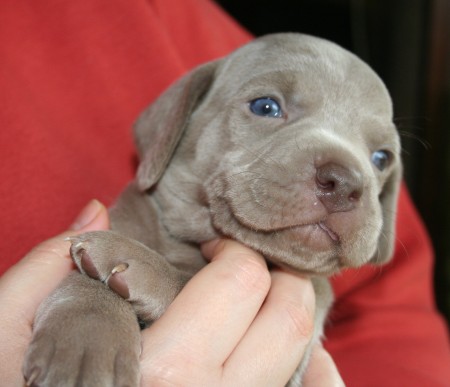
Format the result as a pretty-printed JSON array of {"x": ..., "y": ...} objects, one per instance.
[
  {"x": 73, "y": 77},
  {"x": 384, "y": 329}
]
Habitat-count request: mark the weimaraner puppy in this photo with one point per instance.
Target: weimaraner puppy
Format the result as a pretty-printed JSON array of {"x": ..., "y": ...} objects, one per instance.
[{"x": 286, "y": 145}]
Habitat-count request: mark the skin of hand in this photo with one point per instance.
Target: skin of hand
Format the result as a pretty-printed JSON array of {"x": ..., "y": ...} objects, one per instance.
[
  {"x": 25, "y": 285},
  {"x": 235, "y": 322}
]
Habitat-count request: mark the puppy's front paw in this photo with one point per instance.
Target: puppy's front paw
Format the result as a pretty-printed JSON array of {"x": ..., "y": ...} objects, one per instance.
[
  {"x": 84, "y": 335},
  {"x": 131, "y": 269}
]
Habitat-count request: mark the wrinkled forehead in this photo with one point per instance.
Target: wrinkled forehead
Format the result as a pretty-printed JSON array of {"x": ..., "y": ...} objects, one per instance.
[{"x": 308, "y": 65}]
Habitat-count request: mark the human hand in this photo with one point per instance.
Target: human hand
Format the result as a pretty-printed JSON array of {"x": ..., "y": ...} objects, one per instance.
[
  {"x": 236, "y": 323},
  {"x": 24, "y": 286}
]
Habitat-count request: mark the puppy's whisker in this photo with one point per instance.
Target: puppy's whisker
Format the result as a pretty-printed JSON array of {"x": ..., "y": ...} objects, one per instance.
[
  {"x": 411, "y": 118},
  {"x": 424, "y": 143}
]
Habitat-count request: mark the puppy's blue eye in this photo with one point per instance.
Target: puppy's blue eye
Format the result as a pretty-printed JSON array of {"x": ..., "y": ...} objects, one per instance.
[
  {"x": 266, "y": 107},
  {"x": 381, "y": 159}
]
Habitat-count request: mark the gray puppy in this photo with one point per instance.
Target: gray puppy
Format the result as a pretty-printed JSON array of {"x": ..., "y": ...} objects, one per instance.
[{"x": 287, "y": 145}]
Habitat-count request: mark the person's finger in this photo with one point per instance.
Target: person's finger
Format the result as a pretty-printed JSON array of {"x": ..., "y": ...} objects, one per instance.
[
  {"x": 276, "y": 341},
  {"x": 211, "y": 314},
  {"x": 213, "y": 247},
  {"x": 26, "y": 284},
  {"x": 322, "y": 371}
]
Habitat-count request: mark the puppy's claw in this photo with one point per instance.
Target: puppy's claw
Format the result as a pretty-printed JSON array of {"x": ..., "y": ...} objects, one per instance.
[
  {"x": 34, "y": 375},
  {"x": 117, "y": 283},
  {"x": 119, "y": 268},
  {"x": 78, "y": 245},
  {"x": 75, "y": 241}
]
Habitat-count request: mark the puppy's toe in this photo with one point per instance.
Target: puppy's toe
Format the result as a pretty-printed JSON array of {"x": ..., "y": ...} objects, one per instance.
[
  {"x": 149, "y": 284},
  {"x": 97, "y": 253},
  {"x": 81, "y": 257},
  {"x": 39, "y": 356},
  {"x": 117, "y": 282},
  {"x": 132, "y": 270}
]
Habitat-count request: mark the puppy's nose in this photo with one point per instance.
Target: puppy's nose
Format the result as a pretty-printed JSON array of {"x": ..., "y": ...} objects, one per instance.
[{"x": 338, "y": 188}]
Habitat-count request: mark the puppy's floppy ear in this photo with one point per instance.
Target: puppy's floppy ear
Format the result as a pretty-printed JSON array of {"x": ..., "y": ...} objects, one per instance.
[
  {"x": 160, "y": 127},
  {"x": 388, "y": 200}
]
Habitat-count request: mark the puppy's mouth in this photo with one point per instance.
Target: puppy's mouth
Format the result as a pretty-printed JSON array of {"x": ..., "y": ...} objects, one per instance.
[
  {"x": 317, "y": 235},
  {"x": 333, "y": 236}
]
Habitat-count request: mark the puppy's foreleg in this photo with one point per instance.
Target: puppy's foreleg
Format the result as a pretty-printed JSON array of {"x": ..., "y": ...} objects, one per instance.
[{"x": 84, "y": 334}]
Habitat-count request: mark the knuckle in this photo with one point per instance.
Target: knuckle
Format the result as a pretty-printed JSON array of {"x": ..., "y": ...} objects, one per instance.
[
  {"x": 168, "y": 370},
  {"x": 297, "y": 317},
  {"x": 161, "y": 375},
  {"x": 246, "y": 268},
  {"x": 250, "y": 273},
  {"x": 299, "y": 321},
  {"x": 48, "y": 250}
]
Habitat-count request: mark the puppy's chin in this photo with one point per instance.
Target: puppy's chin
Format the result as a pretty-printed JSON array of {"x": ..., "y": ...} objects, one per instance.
[{"x": 314, "y": 248}]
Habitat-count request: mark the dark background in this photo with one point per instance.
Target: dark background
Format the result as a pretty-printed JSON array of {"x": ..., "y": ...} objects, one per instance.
[{"x": 407, "y": 42}]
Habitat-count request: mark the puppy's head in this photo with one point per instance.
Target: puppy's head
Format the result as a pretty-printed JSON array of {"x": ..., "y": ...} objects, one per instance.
[{"x": 287, "y": 145}]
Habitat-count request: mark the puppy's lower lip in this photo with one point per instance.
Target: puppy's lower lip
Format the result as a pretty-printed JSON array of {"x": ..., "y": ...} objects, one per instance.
[{"x": 330, "y": 232}]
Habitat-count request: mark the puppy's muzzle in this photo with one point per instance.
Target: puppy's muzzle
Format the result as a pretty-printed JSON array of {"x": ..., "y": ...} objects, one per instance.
[{"x": 338, "y": 188}]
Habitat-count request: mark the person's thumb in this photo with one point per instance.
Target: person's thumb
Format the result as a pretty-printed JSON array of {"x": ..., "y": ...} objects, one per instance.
[{"x": 26, "y": 284}]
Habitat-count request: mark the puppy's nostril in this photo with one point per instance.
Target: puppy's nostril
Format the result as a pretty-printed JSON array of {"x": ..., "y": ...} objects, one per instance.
[
  {"x": 338, "y": 187},
  {"x": 355, "y": 195},
  {"x": 327, "y": 185}
]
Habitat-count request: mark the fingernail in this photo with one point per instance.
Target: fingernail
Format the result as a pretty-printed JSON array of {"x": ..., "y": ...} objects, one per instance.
[
  {"x": 87, "y": 215},
  {"x": 117, "y": 283},
  {"x": 209, "y": 248}
]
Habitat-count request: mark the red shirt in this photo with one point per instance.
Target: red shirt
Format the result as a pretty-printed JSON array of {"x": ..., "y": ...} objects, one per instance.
[{"x": 73, "y": 78}]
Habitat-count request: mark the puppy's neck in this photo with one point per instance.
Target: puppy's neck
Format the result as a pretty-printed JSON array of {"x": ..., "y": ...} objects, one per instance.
[{"x": 183, "y": 207}]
